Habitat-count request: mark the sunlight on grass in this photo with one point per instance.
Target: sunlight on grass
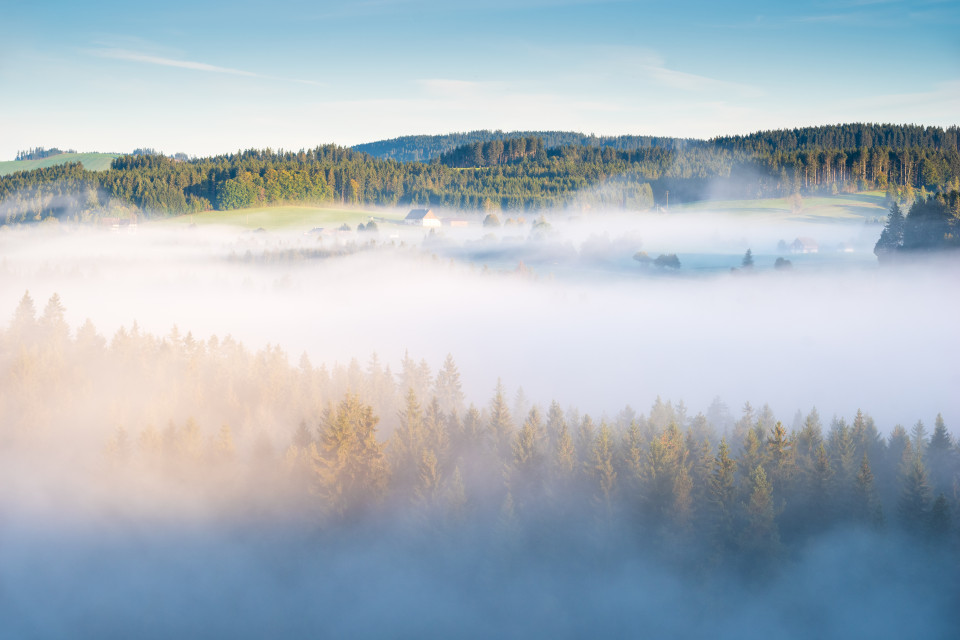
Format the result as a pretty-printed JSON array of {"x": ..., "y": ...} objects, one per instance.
[
  {"x": 865, "y": 205},
  {"x": 288, "y": 218}
]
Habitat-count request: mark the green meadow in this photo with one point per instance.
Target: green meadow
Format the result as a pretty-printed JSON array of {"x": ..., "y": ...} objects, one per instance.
[
  {"x": 288, "y": 218},
  {"x": 90, "y": 162},
  {"x": 850, "y": 207}
]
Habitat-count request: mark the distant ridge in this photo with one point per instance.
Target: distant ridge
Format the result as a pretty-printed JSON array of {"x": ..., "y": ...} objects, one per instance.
[
  {"x": 90, "y": 162},
  {"x": 424, "y": 148}
]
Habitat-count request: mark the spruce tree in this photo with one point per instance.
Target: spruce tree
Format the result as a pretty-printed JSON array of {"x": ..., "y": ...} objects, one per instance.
[
  {"x": 867, "y": 509},
  {"x": 942, "y": 460},
  {"x": 723, "y": 501},
  {"x": 891, "y": 238},
  {"x": 500, "y": 424},
  {"x": 350, "y": 464},
  {"x": 914, "y": 504},
  {"x": 760, "y": 538}
]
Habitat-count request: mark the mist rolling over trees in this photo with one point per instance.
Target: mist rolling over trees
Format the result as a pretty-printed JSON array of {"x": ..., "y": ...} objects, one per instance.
[
  {"x": 183, "y": 475},
  {"x": 414, "y": 436},
  {"x": 568, "y": 408},
  {"x": 527, "y": 319}
]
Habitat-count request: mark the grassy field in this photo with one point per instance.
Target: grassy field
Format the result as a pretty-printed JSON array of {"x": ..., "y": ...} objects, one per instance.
[
  {"x": 865, "y": 205},
  {"x": 90, "y": 161},
  {"x": 285, "y": 218}
]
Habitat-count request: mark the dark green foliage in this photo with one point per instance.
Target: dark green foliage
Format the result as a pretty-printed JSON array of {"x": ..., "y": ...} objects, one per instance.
[
  {"x": 933, "y": 223},
  {"x": 891, "y": 238},
  {"x": 519, "y": 171},
  {"x": 426, "y": 148},
  {"x": 495, "y": 152}
]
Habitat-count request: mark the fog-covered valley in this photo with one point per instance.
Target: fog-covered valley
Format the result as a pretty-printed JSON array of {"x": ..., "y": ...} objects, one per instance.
[
  {"x": 566, "y": 314},
  {"x": 190, "y": 461}
]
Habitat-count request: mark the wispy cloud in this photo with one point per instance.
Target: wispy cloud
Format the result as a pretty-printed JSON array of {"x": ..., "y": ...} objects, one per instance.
[
  {"x": 134, "y": 56},
  {"x": 696, "y": 83}
]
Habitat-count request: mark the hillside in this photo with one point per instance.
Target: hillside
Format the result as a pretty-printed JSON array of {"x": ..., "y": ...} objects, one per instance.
[
  {"x": 516, "y": 174},
  {"x": 424, "y": 148},
  {"x": 90, "y": 162}
]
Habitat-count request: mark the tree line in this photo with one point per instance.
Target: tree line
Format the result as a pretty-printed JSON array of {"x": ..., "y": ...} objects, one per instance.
[
  {"x": 354, "y": 443},
  {"x": 40, "y": 153},
  {"x": 425, "y": 148},
  {"x": 516, "y": 174}
]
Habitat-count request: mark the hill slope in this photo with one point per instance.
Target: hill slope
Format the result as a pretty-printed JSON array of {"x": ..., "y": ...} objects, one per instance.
[{"x": 90, "y": 162}]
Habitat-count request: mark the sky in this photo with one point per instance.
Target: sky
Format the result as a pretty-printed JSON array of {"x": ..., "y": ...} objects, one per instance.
[{"x": 212, "y": 77}]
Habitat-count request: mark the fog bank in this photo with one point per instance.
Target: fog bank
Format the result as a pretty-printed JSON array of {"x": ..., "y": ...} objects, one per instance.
[{"x": 598, "y": 330}]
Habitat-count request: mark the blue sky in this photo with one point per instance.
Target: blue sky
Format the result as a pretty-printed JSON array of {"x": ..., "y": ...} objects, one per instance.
[{"x": 211, "y": 77}]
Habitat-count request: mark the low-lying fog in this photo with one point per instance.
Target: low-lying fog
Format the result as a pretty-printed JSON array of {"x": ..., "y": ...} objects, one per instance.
[
  {"x": 581, "y": 322},
  {"x": 104, "y": 537}
]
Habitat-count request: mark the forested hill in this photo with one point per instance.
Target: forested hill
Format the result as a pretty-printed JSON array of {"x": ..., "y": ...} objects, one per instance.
[
  {"x": 515, "y": 174},
  {"x": 844, "y": 136},
  {"x": 426, "y": 148}
]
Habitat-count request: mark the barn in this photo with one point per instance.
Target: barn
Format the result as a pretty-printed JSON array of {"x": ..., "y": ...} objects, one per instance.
[{"x": 422, "y": 218}]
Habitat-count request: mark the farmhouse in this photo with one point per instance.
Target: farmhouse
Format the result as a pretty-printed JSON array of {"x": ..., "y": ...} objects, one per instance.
[
  {"x": 804, "y": 245},
  {"x": 422, "y": 218}
]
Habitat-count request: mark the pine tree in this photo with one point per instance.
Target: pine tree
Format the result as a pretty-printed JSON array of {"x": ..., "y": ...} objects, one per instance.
[
  {"x": 760, "y": 539},
  {"x": 891, "y": 238},
  {"x": 914, "y": 504},
  {"x": 473, "y": 430},
  {"x": 456, "y": 507},
  {"x": 819, "y": 487},
  {"x": 565, "y": 456},
  {"x": 500, "y": 424},
  {"x": 867, "y": 508},
  {"x": 449, "y": 390},
  {"x": 723, "y": 500},
  {"x": 428, "y": 489},
  {"x": 52, "y": 323},
  {"x": 23, "y": 326},
  {"x": 407, "y": 444},
  {"x": 918, "y": 439},
  {"x": 435, "y": 435},
  {"x": 585, "y": 440},
  {"x": 602, "y": 470},
  {"x": 555, "y": 421},
  {"x": 780, "y": 453},
  {"x": 753, "y": 454},
  {"x": 939, "y": 527},
  {"x": 528, "y": 474},
  {"x": 941, "y": 458},
  {"x": 349, "y": 462}
]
